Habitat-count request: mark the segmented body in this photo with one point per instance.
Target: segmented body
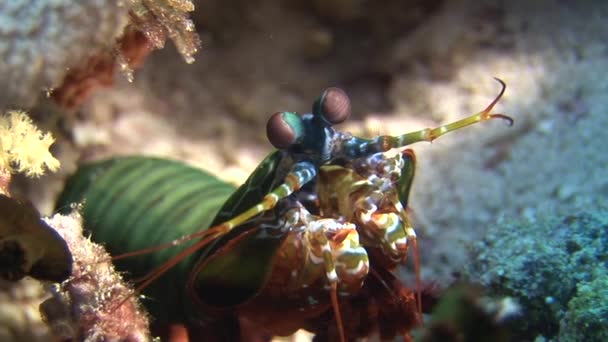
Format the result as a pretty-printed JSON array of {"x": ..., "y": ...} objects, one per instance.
[
  {"x": 316, "y": 229},
  {"x": 135, "y": 202}
]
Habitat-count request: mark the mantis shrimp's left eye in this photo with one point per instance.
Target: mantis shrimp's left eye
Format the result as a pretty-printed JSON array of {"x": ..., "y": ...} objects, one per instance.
[
  {"x": 333, "y": 106},
  {"x": 284, "y": 129}
]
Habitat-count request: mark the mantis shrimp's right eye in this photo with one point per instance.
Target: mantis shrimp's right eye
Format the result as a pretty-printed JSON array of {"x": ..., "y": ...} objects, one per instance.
[
  {"x": 284, "y": 129},
  {"x": 333, "y": 106}
]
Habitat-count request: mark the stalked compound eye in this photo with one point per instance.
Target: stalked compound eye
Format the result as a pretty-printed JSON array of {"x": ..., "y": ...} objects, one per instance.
[
  {"x": 333, "y": 106},
  {"x": 284, "y": 129}
]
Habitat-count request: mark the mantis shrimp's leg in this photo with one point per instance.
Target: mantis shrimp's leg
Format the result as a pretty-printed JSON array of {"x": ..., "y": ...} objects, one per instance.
[
  {"x": 356, "y": 147},
  {"x": 302, "y": 173}
]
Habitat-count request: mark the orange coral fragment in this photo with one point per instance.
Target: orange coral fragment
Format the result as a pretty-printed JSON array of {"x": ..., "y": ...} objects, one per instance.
[{"x": 133, "y": 47}]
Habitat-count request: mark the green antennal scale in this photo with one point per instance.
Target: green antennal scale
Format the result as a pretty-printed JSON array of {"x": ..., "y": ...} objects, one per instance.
[{"x": 319, "y": 223}]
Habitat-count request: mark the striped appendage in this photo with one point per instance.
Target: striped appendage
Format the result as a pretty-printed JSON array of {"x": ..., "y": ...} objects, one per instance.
[
  {"x": 302, "y": 173},
  {"x": 372, "y": 194},
  {"x": 354, "y": 147},
  {"x": 331, "y": 249},
  {"x": 335, "y": 245},
  {"x": 366, "y": 194}
]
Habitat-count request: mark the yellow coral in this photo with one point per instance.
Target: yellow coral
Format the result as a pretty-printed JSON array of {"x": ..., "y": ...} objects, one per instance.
[{"x": 23, "y": 148}]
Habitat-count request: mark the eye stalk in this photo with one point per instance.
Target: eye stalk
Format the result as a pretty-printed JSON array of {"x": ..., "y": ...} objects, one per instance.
[
  {"x": 284, "y": 129},
  {"x": 333, "y": 106}
]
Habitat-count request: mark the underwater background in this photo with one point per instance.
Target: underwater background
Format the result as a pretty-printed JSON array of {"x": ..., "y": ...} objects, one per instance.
[{"x": 520, "y": 210}]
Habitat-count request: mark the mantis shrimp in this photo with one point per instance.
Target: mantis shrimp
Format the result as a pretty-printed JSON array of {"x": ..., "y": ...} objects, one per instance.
[{"x": 311, "y": 237}]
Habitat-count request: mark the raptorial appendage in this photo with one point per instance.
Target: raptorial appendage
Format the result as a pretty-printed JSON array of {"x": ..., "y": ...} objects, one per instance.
[
  {"x": 330, "y": 247},
  {"x": 358, "y": 201},
  {"x": 366, "y": 192}
]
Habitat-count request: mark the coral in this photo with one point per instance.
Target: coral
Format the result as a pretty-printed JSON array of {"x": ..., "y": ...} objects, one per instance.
[
  {"x": 98, "y": 71},
  {"x": 150, "y": 23},
  {"x": 94, "y": 304},
  {"x": 41, "y": 40},
  {"x": 559, "y": 280},
  {"x": 48, "y": 44},
  {"x": 587, "y": 316},
  {"x": 83, "y": 308},
  {"x": 24, "y": 146},
  {"x": 160, "y": 18},
  {"x": 28, "y": 246}
]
